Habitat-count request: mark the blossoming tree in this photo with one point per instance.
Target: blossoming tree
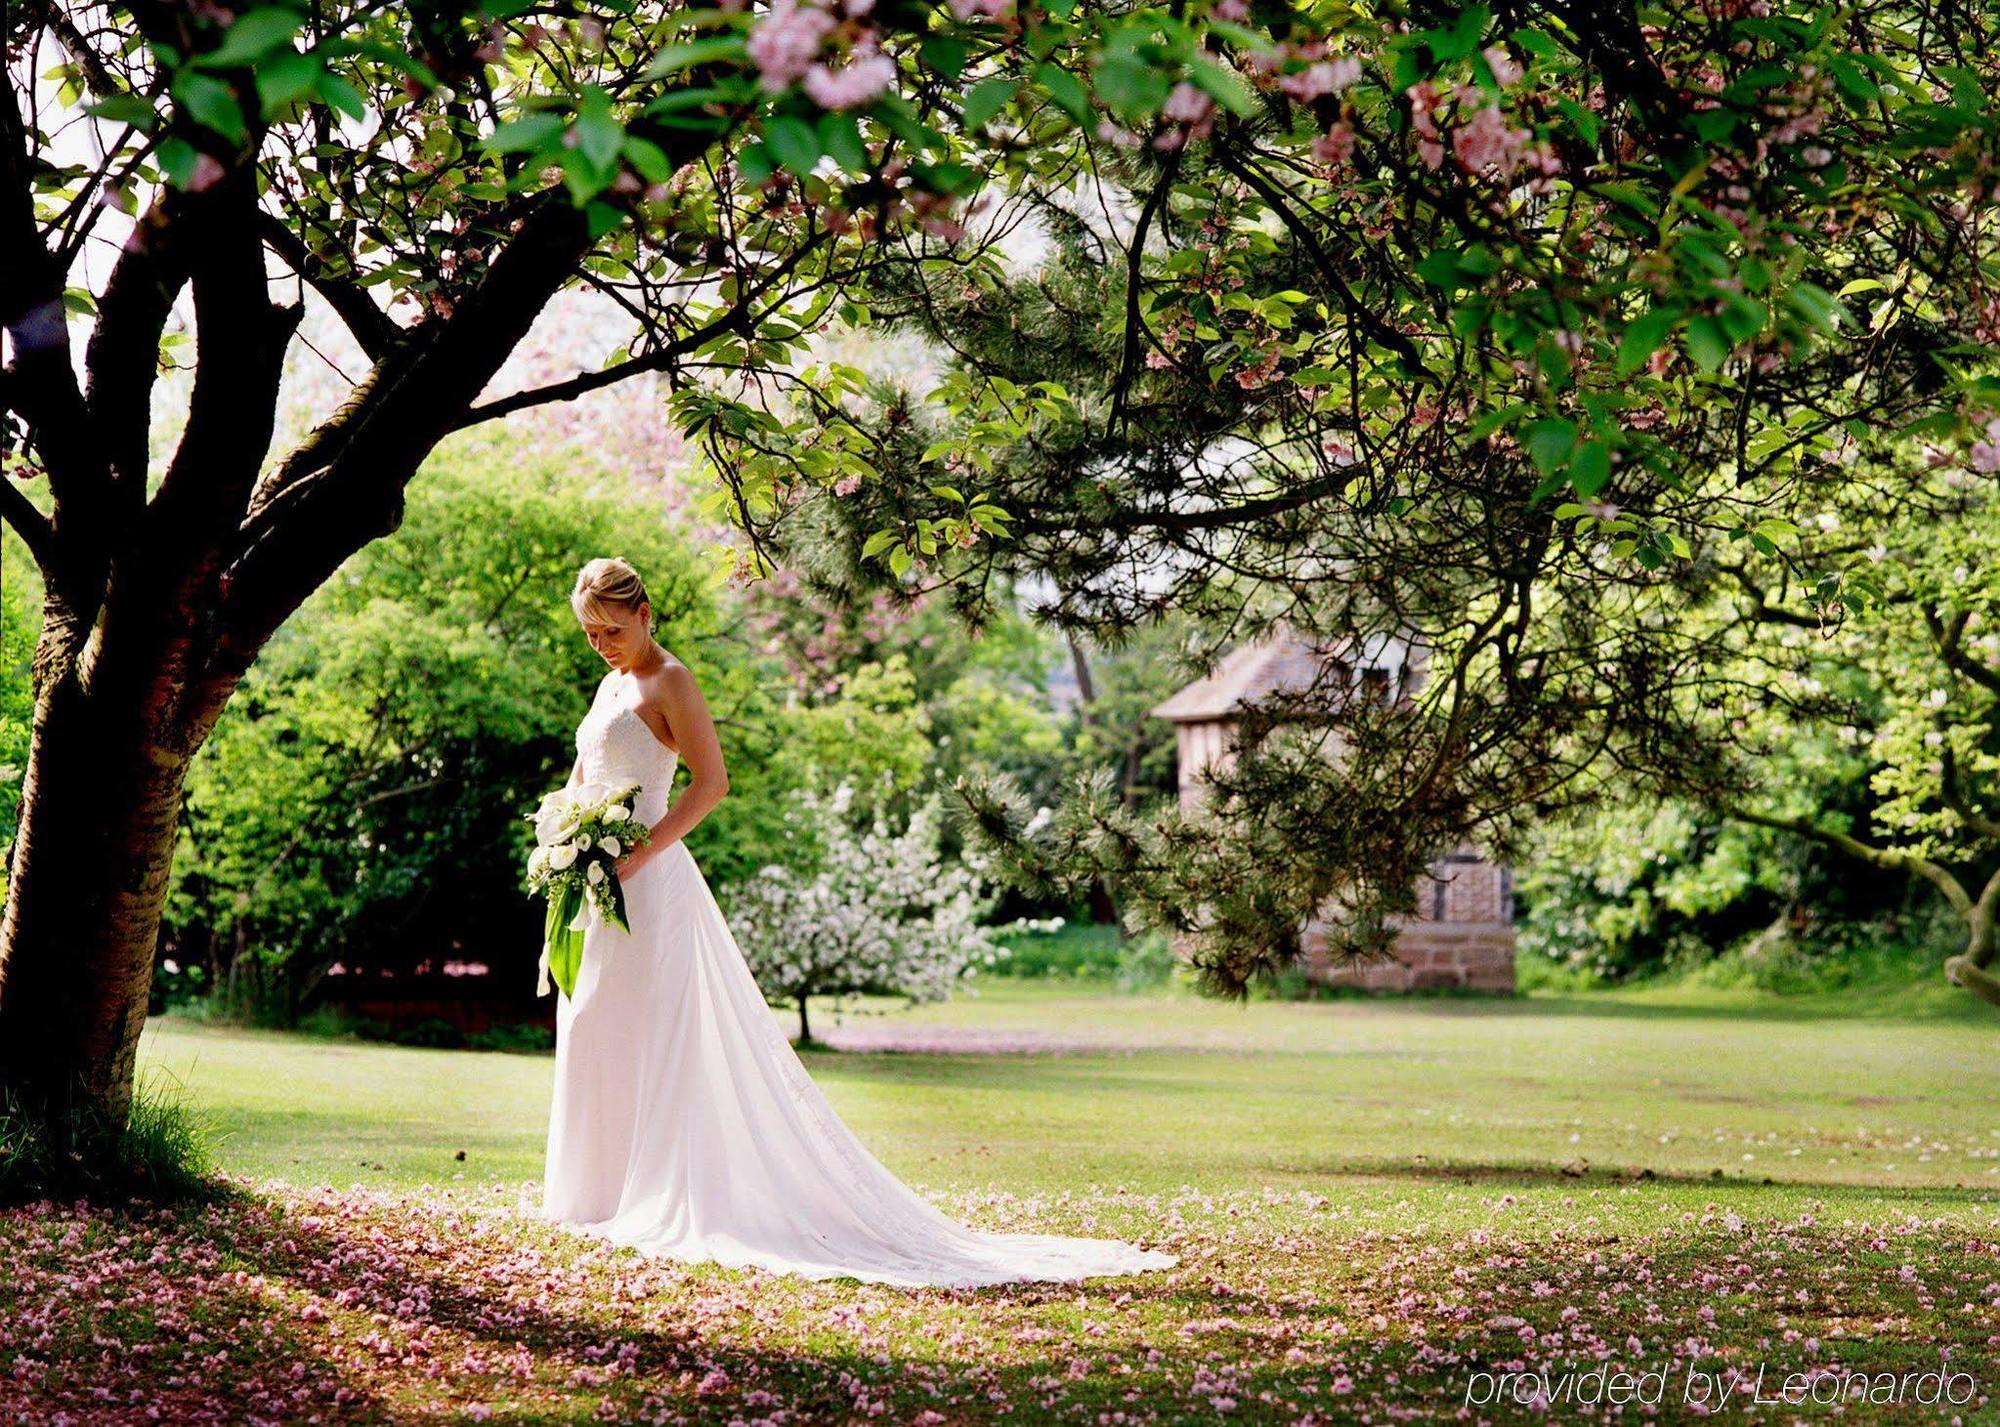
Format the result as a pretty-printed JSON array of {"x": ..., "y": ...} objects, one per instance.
[
  {"x": 1468, "y": 338},
  {"x": 874, "y": 910},
  {"x": 434, "y": 175},
  {"x": 1540, "y": 249}
]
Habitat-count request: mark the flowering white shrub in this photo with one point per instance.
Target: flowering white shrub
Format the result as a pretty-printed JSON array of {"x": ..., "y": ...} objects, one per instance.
[{"x": 882, "y": 912}]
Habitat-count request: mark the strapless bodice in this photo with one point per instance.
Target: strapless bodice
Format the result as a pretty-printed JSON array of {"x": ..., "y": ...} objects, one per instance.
[{"x": 616, "y": 746}]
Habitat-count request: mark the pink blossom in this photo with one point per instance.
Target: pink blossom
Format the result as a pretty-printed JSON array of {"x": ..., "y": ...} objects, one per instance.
[
  {"x": 1505, "y": 70},
  {"x": 1423, "y": 106},
  {"x": 785, "y": 43},
  {"x": 1336, "y": 145},
  {"x": 865, "y": 76},
  {"x": 968, "y": 10},
  {"x": 1326, "y": 77},
  {"x": 1487, "y": 145},
  {"x": 1192, "y": 111},
  {"x": 207, "y": 173},
  {"x": 1187, "y": 105}
]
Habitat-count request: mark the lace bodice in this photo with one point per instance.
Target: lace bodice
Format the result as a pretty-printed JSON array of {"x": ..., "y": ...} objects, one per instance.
[{"x": 616, "y": 746}]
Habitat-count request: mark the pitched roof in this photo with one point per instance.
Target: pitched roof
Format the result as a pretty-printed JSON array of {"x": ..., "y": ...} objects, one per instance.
[{"x": 1247, "y": 674}]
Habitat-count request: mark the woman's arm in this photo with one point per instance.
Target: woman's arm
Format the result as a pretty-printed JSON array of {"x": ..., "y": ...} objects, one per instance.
[{"x": 677, "y": 697}]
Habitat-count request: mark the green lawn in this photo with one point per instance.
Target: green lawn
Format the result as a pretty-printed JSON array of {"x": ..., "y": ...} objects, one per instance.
[{"x": 1373, "y": 1200}]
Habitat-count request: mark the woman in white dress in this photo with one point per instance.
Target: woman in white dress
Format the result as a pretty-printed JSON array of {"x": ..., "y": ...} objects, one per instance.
[{"x": 683, "y": 1123}]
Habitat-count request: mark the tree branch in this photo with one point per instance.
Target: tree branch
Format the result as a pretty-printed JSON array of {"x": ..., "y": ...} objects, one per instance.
[
  {"x": 1947, "y": 638},
  {"x": 1888, "y": 859},
  {"x": 30, "y": 524},
  {"x": 1361, "y": 317},
  {"x": 123, "y": 358},
  {"x": 1134, "y": 265},
  {"x": 1955, "y": 798},
  {"x": 298, "y": 535},
  {"x": 373, "y": 329}
]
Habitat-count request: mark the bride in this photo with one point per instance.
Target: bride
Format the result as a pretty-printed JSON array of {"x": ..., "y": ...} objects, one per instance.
[{"x": 683, "y": 1124}]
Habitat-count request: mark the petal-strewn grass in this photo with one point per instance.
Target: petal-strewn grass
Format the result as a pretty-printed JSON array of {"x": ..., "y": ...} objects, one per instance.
[{"x": 1379, "y": 1208}]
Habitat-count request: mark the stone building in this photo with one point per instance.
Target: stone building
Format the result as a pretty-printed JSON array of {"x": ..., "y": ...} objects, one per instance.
[{"x": 1463, "y": 935}]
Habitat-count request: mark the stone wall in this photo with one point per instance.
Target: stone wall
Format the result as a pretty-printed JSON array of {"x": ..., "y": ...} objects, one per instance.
[{"x": 1462, "y": 937}]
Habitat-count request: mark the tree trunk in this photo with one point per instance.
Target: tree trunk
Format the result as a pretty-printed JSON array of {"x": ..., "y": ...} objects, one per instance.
[
  {"x": 1972, "y": 969},
  {"x": 805, "y": 1025},
  {"x": 99, "y": 812}
]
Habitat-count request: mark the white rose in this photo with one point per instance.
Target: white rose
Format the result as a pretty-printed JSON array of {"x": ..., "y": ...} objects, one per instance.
[
  {"x": 562, "y": 857},
  {"x": 617, "y": 813},
  {"x": 594, "y": 874},
  {"x": 610, "y": 845}
]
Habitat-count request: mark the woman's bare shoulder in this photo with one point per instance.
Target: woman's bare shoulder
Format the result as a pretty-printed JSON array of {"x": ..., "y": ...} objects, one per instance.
[{"x": 671, "y": 681}]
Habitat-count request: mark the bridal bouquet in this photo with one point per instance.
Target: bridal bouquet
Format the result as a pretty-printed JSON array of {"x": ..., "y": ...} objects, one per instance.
[{"x": 580, "y": 833}]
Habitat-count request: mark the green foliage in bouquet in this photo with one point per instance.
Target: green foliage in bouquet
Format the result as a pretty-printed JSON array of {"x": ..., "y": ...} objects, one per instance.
[{"x": 581, "y": 831}]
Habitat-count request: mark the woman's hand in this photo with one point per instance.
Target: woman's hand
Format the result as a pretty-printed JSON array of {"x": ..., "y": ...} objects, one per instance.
[{"x": 632, "y": 861}]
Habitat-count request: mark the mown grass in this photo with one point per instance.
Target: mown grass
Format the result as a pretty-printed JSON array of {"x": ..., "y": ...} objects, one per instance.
[{"x": 1373, "y": 1200}]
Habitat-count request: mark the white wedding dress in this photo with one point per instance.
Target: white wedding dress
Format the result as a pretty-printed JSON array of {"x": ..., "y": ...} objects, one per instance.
[{"x": 685, "y": 1127}]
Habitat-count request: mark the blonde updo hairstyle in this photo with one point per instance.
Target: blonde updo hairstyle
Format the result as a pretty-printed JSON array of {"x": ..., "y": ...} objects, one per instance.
[{"x": 606, "y": 588}]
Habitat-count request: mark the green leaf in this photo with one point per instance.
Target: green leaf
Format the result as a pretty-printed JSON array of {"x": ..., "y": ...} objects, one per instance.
[
  {"x": 792, "y": 143},
  {"x": 1066, "y": 90},
  {"x": 647, "y": 159},
  {"x": 124, "y": 109},
  {"x": 1224, "y": 86},
  {"x": 524, "y": 134},
  {"x": 895, "y": 111},
  {"x": 755, "y": 164},
  {"x": 1741, "y": 317},
  {"x": 988, "y": 98},
  {"x": 1642, "y": 337},
  {"x": 210, "y": 104},
  {"x": 1550, "y": 442},
  {"x": 946, "y": 54},
  {"x": 177, "y": 160},
  {"x": 688, "y": 53},
  {"x": 601, "y": 218},
  {"x": 840, "y": 139},
  {"x": 1817, "y": 305},
  {"x": 285, "y": 79},
  {"x": 252, "y": 37},
  {"x": 582, "y": 178},
  {"x": 1707, "y": 344},
  {"x": 1591, "y": 470},
  {"x": 598, "y": 133},
  {"x": 1131, "y": 88},
  {"x": 341, "y": 95},
  {"x": 1440, "y": 270}
]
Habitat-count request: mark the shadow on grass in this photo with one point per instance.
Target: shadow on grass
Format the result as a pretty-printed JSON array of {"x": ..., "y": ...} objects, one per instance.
[
  {"x": 1936, "y": 1198},
  {"x": 357, "y": 1311}
]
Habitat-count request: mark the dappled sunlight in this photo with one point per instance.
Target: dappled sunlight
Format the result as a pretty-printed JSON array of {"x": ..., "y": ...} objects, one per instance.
[{"x": 281, "y": 1304}]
